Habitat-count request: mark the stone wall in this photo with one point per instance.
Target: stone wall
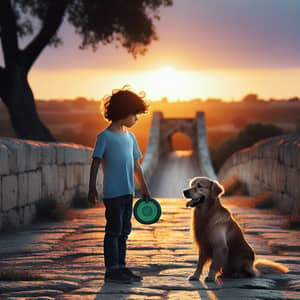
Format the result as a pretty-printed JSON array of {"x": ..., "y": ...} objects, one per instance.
[
  {"x": 31, "y": 171},
  {"x": 205, "y": 163},
  {"x": 151, "y": 157},
  {"x": 273, "y": 166}
]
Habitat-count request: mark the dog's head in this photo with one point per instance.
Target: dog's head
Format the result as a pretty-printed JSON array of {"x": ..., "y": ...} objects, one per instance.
[{"x": 202, "y": 189}]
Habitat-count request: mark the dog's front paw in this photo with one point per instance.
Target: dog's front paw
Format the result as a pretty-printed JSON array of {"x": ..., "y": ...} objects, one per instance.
[{"x": 193, "y": 278}]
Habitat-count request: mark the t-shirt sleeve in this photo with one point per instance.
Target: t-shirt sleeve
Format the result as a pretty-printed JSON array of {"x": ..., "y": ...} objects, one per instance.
[
  {"x": 99, "y": 147},
  {"x": 136, "y": 150}
]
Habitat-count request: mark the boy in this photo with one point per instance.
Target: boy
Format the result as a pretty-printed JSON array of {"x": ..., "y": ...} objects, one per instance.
[{"x": 118, "y": 152}]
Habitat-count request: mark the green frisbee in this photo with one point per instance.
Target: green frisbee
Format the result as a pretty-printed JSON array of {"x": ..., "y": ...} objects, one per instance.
[{"x": 147, "y": 212}]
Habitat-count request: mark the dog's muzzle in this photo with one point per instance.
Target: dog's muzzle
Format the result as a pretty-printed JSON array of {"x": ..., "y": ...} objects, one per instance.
[{"x": 194, "y": 201}]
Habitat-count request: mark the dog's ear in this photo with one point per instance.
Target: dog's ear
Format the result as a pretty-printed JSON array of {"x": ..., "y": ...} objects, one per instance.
[{"x": 216, "y": 189}]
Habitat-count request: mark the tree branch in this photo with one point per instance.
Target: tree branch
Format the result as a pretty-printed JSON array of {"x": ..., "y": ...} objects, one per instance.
[
  {"x": 52, "y": 22},
  {"x": 9, "y": 38}
]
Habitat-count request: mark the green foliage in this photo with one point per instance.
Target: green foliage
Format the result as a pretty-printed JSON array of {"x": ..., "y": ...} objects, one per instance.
[
  {"x": 48, "y": 209},
  {"x": 264, "y": 201},
  {"x": 251, "y": 134},
  {"x": 234, "y": 186},
  {"x": 130, "y": 23},
  {"x": 80, "y": 200}
]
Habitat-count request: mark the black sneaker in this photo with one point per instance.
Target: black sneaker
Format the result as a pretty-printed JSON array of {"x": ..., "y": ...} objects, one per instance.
[
  {"x": 117, "y": 276},
  {"x": 131, "y": 275}
]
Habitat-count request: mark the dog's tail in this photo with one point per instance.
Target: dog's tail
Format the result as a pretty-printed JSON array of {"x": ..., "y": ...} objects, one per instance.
[{"x": 264, "y": 266}]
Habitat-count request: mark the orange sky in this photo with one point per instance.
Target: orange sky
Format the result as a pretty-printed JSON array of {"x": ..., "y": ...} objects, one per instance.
[
  {"x": 206, "y": 49},
  {"x": 169, "y": 82}
]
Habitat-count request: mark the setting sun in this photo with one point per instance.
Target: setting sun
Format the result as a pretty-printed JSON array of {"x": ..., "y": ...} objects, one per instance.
[{"x": 165, "y": 82}]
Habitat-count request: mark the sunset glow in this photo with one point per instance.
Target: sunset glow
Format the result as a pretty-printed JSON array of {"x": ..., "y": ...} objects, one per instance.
[
  {"x": 167, "y": 81},
  {"x": 202, "y": 52}
]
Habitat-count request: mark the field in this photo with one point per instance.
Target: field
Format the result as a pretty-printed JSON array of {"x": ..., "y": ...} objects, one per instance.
[{"x": 80, "y": 120}]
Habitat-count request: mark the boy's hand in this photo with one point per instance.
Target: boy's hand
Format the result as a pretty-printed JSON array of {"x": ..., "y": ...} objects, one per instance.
[
  {"x": 93, "y": 196},
  {"x": 146, "y": 196}
]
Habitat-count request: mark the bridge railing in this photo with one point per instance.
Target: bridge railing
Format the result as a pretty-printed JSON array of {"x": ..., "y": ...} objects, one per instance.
[
  {"x": 151, "y": 157},
  {"x": 273, "y": 166},
  {"x": 31, "y": 171},
  {"x": 206, "y": 167}
]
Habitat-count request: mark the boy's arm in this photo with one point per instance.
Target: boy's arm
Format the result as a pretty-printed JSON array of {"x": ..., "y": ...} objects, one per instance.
[
  {"x": 93, "y": 194},
  {"x": 141, "y": 179}
]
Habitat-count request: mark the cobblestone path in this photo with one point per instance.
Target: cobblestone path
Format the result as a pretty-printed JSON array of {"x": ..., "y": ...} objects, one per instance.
[{"x": 65, "y": 260}]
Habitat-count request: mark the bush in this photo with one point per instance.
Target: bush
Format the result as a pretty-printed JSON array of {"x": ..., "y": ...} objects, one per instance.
[
  {"x": 250, "y": 135},
  {"x": 49, "y": 209},
  {"x": 80, "y": 200}
]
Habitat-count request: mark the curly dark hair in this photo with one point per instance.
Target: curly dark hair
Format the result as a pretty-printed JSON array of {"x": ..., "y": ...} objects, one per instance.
[{"x": 123, "y": 103}]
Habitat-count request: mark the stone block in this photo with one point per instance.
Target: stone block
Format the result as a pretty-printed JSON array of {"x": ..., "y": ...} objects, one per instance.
[
  {"x": 12, "y": 151},
  {"x": 83, "y": 189},
  {"x": 60, "y": 154},
  {"x": 281, "y": 174},
  {"x": 28, "y": 214},
  {"x": 70, "y": 177},
  {"x": 13, "y": 219},
  {"x": 9, "y": 192},
  {"x": 49, "y": 180},
  {"x": 246, "y": 174},
  {"x": 34, "y": 186},
  {"x": 295, "y": 155},
  {"x": 267, "y": 172},
  {"x": 285, "y": 203},
  {"x": 298, "y": 156},
  {"x": 74, "y": 155},
  {"x": 1, "y": 221},
  {"x": 22, "y": 189},
  {"x": 33, "y": 156},
  {"x": 48, "y": 154},
  {"x": 68, "y": 196},
  {"x": 88, "y": 155},
  {"x": 61, "y": 180},
  {"x": 0, "y": 193},
  {"x": 291, "y": 182},
  {"x": 86, "y": 174},
  {"x": 4, "y": 161},
  {"x": 287, "y": 157}
]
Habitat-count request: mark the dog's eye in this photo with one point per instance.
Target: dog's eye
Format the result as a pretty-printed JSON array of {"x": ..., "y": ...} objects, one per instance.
[{"x": 199, "y": 186}]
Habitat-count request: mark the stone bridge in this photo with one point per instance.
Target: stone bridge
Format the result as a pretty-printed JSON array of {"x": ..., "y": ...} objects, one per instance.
[
  {"x": 64, "y": 260},
  {"x": 31, "y": 171},
  {"x": 167, "y": 171}
]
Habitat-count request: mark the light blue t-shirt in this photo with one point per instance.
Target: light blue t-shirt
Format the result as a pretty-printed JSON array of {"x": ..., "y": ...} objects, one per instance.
[{"x": 118, "y": 152}]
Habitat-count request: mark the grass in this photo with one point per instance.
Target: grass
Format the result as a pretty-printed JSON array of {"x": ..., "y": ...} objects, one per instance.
[
  {"x": 294, "y": 221},
  {"x": 264, "y": 201},
  {"x": 234, "y": 186},
  {"x": 49, "y": 209},
  {"x": 80, "y": 200},
  {"x": 8, "y": 226}
]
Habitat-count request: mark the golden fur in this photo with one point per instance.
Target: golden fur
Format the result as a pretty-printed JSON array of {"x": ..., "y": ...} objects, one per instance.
[{"x": 218, "y": 235}]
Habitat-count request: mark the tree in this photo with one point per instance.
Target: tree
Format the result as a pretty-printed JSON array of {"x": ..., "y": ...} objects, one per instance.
[
  {"x": 129, "y": 23},
  {"x": 250, "y": 98}
]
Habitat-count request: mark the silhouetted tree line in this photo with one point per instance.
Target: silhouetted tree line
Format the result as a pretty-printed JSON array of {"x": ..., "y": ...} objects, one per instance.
[{"x": 247, "y": 137}]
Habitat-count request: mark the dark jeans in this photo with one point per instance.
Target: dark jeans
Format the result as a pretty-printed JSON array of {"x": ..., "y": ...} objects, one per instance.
[{"x": 118, "y": 214}]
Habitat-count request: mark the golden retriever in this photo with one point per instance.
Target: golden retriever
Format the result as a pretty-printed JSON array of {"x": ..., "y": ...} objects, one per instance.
[{"x": 218, "y": 235}]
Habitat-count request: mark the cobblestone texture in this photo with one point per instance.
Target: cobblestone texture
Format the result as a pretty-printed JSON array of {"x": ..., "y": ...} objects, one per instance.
[{"x": 65, "y": 260}]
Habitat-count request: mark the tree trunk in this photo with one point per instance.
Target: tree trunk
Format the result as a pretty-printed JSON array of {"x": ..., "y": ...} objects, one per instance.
[{"x": 19, "y": 100}]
